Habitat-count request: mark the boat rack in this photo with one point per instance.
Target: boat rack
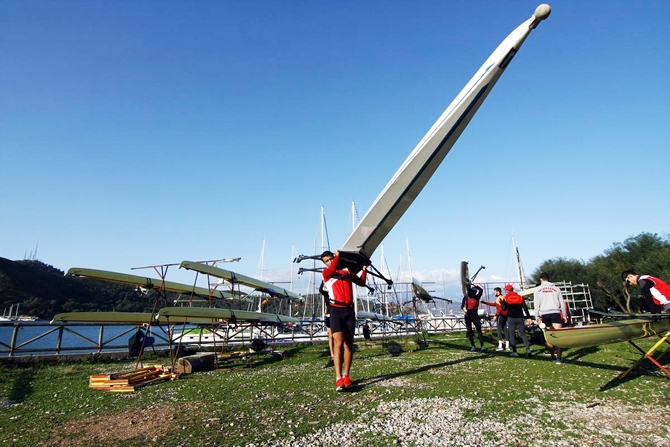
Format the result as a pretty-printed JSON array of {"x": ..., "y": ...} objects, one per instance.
[
  {"x": 578, "y": 299},
  {"x": 649, "y": 355}
]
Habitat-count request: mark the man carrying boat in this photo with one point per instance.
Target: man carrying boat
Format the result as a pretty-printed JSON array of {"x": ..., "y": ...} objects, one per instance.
[
  {"x": 655, "y": 292},
  {"x": 339, "y": 283},
  {"x": 549, "y": 305}
]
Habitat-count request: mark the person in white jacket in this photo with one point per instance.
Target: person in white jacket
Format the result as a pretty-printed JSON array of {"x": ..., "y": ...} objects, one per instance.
[{"x": 550, "y": 310}]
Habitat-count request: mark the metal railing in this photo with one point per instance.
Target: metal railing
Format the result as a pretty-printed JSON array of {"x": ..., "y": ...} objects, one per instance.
[{"x": 36, "y": 338}]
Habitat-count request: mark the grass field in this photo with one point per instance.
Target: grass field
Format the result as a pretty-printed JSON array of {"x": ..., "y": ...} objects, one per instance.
[{"x": 441, "y": 394}]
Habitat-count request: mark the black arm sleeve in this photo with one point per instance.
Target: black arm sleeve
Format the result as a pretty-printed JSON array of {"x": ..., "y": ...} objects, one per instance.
[{"x": 648, "y": 303}]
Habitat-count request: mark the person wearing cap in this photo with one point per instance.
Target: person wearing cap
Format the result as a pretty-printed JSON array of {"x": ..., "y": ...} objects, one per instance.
[
  {"x": 655, "y": 292},
  {"x": 470, "y": 306},
  {"x": 516, "y": 311},
  {"x": 501, "y": 319},
  {"x": 549, "y": 305},
  {"x": 339, "y": 284}
]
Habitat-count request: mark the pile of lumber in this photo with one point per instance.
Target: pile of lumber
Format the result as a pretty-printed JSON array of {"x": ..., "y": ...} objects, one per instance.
[{"x": 127, "y": 381}]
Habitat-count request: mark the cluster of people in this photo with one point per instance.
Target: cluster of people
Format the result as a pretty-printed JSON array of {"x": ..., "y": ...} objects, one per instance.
[
  {"x": 512, "y": 316},
  {"x": 550, "y": 310},
  {"x": 510, "y": 312}
]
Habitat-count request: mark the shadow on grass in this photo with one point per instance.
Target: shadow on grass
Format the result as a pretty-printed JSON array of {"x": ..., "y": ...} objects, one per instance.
[
  {"x": 362, "y": 383},
  {"x": 22, "y": 387},
  {"x": 572, "y": 357},
  {"x": 645, "y": 369}
]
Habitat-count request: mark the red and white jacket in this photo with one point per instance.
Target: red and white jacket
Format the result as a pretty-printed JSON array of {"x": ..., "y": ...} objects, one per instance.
[
  {"x": 655, "y": 291},
  {"x": 339, "y": 284}
]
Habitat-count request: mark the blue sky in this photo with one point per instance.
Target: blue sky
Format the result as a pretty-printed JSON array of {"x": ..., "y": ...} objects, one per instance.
[{"x": 143, "y": 133}]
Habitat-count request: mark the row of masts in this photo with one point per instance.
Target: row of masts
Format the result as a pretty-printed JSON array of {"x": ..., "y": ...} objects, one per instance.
[{"x": 400, "y": 293}]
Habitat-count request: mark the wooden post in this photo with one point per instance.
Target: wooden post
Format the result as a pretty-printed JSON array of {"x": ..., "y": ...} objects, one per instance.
[{"x": 202, "y": 361}]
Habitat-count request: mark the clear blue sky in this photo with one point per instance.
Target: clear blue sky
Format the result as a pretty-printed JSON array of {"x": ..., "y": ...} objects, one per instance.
[{"x": 141, "y": 133}]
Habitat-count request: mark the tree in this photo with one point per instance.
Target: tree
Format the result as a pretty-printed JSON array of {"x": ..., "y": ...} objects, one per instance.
[
  {"x": 645, "y": 253},
  {"x": 562, "y": 269}
]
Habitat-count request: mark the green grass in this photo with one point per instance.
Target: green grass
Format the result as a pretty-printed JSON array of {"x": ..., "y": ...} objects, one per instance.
[{"x": 269, "y": 399}]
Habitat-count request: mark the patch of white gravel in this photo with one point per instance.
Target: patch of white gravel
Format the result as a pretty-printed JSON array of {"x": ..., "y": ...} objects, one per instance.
[{"x": 444, "y": 422}]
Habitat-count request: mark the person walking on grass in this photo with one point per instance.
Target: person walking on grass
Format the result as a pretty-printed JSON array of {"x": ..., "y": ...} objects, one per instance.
[
  {"x": 470, "y": 306},
  {"x": 549, "y": 305},
  {"x": 501, "y": 319},
  {"x": 516, "y": 311},
  {"x": 339, "y": 283}
]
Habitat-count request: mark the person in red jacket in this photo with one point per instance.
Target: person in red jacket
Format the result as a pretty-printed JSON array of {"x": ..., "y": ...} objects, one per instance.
[
  {"x": 501, "y": 319},
  {"x": 339, "y": 283},
  {"x": 517, "y": 310},
  {"x": 655, "y": 292}
]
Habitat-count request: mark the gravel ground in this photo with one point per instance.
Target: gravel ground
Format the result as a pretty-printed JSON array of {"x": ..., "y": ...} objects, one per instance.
[{"x": 440, "y": 422}]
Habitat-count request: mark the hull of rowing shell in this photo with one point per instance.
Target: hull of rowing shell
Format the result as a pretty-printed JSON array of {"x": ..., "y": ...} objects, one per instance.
[{"x": 612, "y": 332}]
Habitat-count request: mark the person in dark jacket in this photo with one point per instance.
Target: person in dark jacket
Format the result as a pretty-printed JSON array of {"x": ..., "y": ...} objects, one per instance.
[
  {"x": 470, "y": 306},
  {"x": 516, "y": 311}
]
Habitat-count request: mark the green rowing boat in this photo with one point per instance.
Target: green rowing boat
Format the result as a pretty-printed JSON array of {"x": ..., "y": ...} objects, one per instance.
[
  {"x": 611, "y": 332},
  {"x": 123, "y": 318},
  {"x": 152, "y": 283},
  {"x": 212, "y": 314},
  {"x": 237, "y": 278}
]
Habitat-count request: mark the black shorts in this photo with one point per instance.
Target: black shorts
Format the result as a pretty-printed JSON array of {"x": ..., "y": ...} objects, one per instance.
[
  {"x": 328, "y": 321},
  {"x": 342, "y": 320},
  {"x": 552, "y": 318}
]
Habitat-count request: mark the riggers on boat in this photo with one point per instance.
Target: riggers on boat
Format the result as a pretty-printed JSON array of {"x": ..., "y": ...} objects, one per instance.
[{"x": 611, "y": 332}]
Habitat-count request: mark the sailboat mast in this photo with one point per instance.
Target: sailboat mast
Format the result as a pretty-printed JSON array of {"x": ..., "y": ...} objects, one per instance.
[
  {"x": 409, "y": 258},
  {"x": 261, "y": 262},
  {"x": 323, "y": 226},
  {"x": 291, "y": 269},
  {"x": 353, "y": 216},
  {"x": 519, "y": 265}
]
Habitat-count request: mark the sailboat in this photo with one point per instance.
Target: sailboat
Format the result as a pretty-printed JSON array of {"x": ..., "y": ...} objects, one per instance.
[{"x": 16, "y": 317}]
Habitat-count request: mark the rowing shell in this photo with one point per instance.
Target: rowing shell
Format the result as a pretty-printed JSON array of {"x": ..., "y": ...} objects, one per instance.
[
  {"x": 424, "y": 160},
  {"x": 120, "y": 318},
  {"x": 236, "y": 278},
  {"x": 465, "y": 278},
  {"x": 612, "y": 332},
  {"x": 192, "y": 314},
  {"x": 149, "y": 283}
]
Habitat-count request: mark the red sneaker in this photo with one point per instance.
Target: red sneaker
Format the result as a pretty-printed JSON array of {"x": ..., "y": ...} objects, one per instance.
[
  {"x": 347, "y": 381},
  {"x": 339, "y": 384}
]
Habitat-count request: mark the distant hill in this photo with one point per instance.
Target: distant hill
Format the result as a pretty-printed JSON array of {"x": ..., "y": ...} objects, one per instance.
[{"x": 43, "y": 291}]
